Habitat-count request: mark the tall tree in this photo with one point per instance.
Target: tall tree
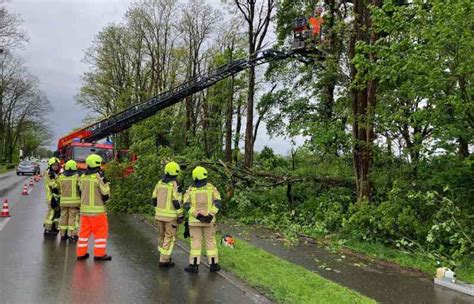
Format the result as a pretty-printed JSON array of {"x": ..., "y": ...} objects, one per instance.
[
  {"x": 363, "y": 91},
  {"x": 258, "y": 16}
]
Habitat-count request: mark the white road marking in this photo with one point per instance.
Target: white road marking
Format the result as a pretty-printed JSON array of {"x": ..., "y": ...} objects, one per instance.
[{"x": 4, "y": 223}]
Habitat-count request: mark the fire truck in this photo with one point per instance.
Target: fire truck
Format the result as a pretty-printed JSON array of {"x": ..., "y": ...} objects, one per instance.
[{"x": 80, "y": 143}]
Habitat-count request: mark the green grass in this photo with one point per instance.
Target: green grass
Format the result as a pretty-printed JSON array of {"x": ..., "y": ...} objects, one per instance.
[
  {"x": 281, "y": 280},
  {"x": 3, "y": 168},
  {"x": 465, "y": 271}
]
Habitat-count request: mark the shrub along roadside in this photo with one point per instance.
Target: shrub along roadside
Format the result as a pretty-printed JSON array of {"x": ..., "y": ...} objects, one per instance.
[
  {"x": 6, "y": 167},
  {"x": 280, "y": 280}
]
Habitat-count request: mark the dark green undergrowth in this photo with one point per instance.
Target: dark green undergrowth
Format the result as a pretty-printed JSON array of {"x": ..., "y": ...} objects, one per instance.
[{"x": 6, "y": 167}]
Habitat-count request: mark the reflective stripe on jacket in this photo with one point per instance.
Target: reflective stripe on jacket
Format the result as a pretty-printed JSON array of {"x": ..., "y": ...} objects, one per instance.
[
  {"x": 166, "y": 195},
  {"x": 69, "y": 189},
  {"x": 92, "y": 189},
  {"x": 202, "y": 201}
]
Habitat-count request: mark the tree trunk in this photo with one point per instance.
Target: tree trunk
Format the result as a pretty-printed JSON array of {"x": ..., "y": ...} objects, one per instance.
[
  {"x": 228, "y": 121},
  {"x": 251, "y": 94},
  {"x": 238, "y": 128},
  {"x": 363, "y": 103}
]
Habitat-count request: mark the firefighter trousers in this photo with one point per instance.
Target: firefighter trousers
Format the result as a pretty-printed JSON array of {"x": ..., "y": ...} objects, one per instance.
[
  {"x": 98, "y": 226},
  {"x": 198, "y": 235},
  {"x": 69, "y": 220},
  {"x": 166, "y": 239},
  {"x": 51, "y": 221}
]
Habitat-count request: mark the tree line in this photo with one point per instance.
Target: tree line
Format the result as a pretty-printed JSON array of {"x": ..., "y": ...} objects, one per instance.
[
  {"x": 386, "y": 104},
  {"x": 23, "y": 107}
]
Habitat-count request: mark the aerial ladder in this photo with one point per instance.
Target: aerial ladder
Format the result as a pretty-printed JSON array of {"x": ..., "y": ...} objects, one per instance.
[{"x": 79, "y": 143}]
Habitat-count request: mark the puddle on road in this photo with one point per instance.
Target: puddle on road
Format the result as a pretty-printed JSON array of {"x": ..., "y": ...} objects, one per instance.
[{"x": 385, "y": 285}]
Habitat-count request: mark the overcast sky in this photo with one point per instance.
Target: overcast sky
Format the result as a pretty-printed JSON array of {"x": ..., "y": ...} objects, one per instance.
[{"x": 59, "y": 31}]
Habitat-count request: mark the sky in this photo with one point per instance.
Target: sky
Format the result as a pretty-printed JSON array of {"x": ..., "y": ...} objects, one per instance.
[{"x": 59, "y": 31}]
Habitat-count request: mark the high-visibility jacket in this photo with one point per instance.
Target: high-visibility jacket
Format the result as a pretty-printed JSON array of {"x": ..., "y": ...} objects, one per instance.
[
  {"x": 167, "y": 201},
  {"x": 69, "y": 190},
  {"x": 93, "y": 192},
  {"x": 316, "y": 23},
  {"x": 204, "y": 200},
  {"x": 50, "y": 183}
]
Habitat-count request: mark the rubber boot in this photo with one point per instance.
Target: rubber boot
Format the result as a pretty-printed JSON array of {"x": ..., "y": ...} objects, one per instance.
[
  {"x": 64, "y": 237},
  {"x": 214, "y": 267},
  {"x": 73, "y": 239},
  {"x": 168, "y": 264},
  {"x": 84, "y": 257},
  {"x": 193, "y": 268},
  {"x": 47, "y": 232},
  {"x": 103, "y": 258}
]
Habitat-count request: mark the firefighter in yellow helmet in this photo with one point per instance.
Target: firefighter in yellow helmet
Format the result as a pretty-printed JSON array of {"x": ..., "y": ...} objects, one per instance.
[
  {"x": 95, "y": 191},
  {"x": 168, "y": 212},
  {"x": 51, "y": 185},
  {"x": 70, "y": 201},
  {"x": 202, "y": 202}
]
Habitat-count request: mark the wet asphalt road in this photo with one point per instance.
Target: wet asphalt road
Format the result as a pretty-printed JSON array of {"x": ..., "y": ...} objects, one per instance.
[{"x": 38, "y": 270}]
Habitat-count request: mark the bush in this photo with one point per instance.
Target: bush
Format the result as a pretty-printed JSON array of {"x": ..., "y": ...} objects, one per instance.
[{"x": 408, "y": 219}]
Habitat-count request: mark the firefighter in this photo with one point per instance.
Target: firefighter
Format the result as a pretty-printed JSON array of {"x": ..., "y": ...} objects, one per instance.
[
  {"x": 95, "y": 191},
  {"x": 51, "y": 185},
  {"x": 168, "y": 212},
  {"x": 70, "y": 201},
  {"x": 317, "y": 22},
  {"x": 202, "y": 202}
]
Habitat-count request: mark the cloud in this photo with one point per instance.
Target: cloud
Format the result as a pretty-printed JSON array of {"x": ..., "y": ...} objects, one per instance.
[{"x": 59, "y": 32}]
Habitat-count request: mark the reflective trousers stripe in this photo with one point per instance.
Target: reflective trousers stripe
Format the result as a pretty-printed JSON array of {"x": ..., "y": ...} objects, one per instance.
[
  {"x": 195, "y": 252},
  {"x": 82, "y": 245},
  {"x": 99, "y": 246},
  {"x": 211, "y": 252}
]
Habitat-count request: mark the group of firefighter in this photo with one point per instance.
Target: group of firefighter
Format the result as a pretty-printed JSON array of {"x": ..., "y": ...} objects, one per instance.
[{"x": 76, "y": 205}]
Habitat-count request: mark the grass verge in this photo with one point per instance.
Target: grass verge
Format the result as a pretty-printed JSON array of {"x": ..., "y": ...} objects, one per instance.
[
  {"x": 278, "y": 279},
  {"x": 6, "y": 168},
  {"x": 418, "y": 261},
  {"x": 281, "y": 280}
]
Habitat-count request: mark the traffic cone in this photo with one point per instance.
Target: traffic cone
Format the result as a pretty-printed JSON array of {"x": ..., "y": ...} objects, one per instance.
[
  {"x": 31, "y": 182},
  {"x": 25, "y": 190},
  {"x": 5, "y": 211}
]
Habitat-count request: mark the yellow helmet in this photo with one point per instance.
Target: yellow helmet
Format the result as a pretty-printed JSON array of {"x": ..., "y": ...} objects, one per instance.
[
  {"x": 172, "y": 169},
  {"x": 93, "y": 161},
  {"x": 52, "y": 161},
  {"x": 70, "y": 165},
  {"x": 199, "y": 173}
]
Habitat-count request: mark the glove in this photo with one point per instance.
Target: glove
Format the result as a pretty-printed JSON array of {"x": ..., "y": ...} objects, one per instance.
[
  {"x": 186, "y": 230},
  {"x": 180, "y": 219},
  {"x": 208, "y": 219},
  {"x": 180, "y": 189},
  {"x": 54, "y": 203},
  {"x": 102, "y": 175},
  {"x": 176, "y": 205},
  {"x": 105, "y": 198},
  {"x": 153, "y": 201},
  {"x": 201, "y": 218},
  {"x": 55, "y": 191}
]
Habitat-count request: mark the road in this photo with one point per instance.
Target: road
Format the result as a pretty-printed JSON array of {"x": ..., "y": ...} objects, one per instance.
[{"x": 34, "y": 269}]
